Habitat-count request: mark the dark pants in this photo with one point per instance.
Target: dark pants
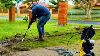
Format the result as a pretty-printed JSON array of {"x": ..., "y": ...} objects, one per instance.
[{"x": 42, "y": 21}]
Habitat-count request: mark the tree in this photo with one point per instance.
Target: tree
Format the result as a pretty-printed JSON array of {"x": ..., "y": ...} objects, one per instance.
[
  {"x": 2, "y": 7},
  {"x": 62, "y": 0},
  {"x": 86, "y": 5},
  {"x": 6, "y": 4},
  {"x": 55, "y": 5},
  {"x": 30, "y": 1}
]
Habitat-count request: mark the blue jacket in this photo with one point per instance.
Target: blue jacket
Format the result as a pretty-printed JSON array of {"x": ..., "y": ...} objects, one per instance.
[{"x": 40, "y": 10}]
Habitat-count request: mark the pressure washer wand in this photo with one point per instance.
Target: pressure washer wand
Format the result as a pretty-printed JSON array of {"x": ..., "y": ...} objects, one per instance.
[
  {"x": 26, "y": 32},
  {"x": 24, "y": 35},
  {"x": 30, "y": 23}
]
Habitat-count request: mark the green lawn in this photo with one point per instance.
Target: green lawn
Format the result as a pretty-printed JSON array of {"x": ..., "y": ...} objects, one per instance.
[
  {"x": 55, "y": 35},
  {"x": 79, "y": 14}
]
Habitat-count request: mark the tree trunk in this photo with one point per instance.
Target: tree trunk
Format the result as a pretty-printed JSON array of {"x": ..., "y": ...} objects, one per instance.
[
  {"x": 12, "y": 14},
  {"x": 88, "y": 12},
  {"x": 2, "y": 11}
]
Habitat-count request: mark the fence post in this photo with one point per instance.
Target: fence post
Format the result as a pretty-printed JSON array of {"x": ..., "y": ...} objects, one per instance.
[{"x": 62, "y": 13}]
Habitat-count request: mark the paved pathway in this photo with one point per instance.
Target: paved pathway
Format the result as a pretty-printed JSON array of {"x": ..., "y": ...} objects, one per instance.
[
  {"x": 80, "y": 22},
  {"x": 84, "y": 22},
  {"x": 97, "y": 48},
  {"x": 70, "y": 21}
]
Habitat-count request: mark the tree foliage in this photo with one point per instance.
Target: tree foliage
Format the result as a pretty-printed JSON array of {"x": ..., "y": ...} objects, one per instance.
[
  {"x": 86, "y": 5},
  {"x": 55, "y": 5},
  {"x": 7, "y": 3}
]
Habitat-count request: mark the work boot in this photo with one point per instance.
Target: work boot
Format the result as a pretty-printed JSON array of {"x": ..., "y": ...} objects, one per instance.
[{"x": 40, "y": 38}]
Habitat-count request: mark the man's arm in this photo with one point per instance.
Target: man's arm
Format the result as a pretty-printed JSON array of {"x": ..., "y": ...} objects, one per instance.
[{"x": 33, "y": 19}]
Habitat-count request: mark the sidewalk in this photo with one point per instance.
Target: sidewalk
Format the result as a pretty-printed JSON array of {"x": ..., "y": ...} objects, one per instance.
[{"x": 69, "y": 21}]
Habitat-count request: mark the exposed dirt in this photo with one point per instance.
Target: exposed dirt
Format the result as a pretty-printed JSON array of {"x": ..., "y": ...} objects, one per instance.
[{"x": 50, "y": 51}]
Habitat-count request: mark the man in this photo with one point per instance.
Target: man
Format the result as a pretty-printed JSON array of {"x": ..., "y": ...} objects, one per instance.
[{"x": 43, "y": 14}]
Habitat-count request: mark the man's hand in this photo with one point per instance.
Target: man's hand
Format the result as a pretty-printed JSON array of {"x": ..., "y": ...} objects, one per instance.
[{"x": 30, "y": 23}]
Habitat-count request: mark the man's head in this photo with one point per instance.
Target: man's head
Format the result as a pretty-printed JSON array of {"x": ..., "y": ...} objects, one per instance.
[
  {"x": 34, "y": 4},
  {"x": 31, "y": 5}
]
